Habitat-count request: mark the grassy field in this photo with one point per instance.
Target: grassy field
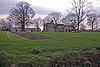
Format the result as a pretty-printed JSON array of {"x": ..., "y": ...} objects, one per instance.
[{"x": 22, "y": 50}]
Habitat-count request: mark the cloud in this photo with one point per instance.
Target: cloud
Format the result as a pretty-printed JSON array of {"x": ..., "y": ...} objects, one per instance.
[
  {"x": 6, "y": 5},
  {"x": 96, "y": 10},
  {"x": 42, "y": 10}
]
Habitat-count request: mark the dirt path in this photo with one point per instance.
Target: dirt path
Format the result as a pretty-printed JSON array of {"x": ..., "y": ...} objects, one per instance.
[{"x": 30, "y": 36}]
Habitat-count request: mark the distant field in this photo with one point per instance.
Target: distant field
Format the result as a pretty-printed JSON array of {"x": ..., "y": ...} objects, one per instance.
[{"x": 21, "y": 50}]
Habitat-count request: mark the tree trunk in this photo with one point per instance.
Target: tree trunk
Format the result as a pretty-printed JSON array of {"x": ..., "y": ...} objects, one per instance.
[
  {"x": 23, "y": 26},
  {"x": 92, "y": 27},
  {"x": 55, "y": 27},
  {"x": 78, "y": 29},
  {"x": 37, "y": 29}
]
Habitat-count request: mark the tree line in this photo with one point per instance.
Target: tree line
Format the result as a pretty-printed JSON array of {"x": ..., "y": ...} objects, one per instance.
[{"x": 81, "y": 12}]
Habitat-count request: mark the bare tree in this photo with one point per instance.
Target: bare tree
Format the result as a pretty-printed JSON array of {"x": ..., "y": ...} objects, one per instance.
[
  {"x": 22, "y": 12},
  {"x": 5, "y": 25},
  {"x": 55, "y": 18},
  {"x": 9, "y": 24},
  {"x": 97, "y": 24},
  {"x": 47, "y": 19},
  {"x": 37, "y": 23},
  {"x": 70, "y": 19},
  {"x": 81, "y": 8},
  {"x": 64, "y": 20},
  {"x": 92, "y": 20}
]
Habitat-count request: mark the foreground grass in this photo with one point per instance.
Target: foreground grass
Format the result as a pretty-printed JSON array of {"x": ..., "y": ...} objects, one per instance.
[{"x": 21, "y": 50}]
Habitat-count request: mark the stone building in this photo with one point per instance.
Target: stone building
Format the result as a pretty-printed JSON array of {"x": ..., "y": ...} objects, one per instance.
[{"x": 51, "y": 27}]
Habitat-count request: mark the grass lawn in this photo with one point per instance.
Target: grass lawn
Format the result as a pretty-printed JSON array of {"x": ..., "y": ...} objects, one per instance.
[{"x": 22, "y": 50}]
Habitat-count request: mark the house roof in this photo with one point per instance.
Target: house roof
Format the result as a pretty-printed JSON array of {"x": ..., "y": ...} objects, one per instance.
[{"x": 60, "y": 25}]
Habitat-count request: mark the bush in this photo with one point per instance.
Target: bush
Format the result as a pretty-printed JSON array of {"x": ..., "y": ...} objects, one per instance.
[
  {"x": 4, "y": 59},
  {"x": 36, "y": 51}
]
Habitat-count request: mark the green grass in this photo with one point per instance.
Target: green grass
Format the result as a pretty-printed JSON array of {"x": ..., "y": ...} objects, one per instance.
[{"x": 21, "y": 50}]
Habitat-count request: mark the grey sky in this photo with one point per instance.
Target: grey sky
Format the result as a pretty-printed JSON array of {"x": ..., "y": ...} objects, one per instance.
[
  {"x": 41, "y": 7},
  {"x": 6, "y": 5}
]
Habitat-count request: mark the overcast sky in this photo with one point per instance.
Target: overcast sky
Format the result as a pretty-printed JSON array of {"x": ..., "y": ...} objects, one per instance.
[{"x": 41, "y": 7}]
